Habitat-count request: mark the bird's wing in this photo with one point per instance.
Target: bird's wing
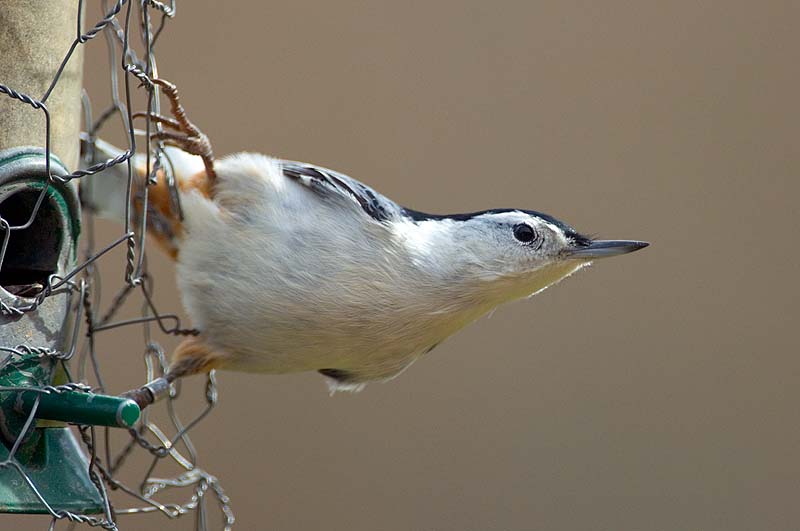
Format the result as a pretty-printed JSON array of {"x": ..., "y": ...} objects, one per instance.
[{"x": 324, "y": 181}]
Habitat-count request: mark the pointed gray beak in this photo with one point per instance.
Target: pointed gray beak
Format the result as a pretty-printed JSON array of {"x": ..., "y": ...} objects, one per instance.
[{"x": 606, "y": 248}]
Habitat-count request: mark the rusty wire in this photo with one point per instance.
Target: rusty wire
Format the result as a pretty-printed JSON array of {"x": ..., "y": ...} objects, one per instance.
[{"x": 128, "y": 71}]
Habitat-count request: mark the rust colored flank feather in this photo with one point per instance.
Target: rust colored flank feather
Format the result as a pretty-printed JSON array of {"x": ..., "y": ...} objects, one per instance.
[{"x": 164, "y": 223}]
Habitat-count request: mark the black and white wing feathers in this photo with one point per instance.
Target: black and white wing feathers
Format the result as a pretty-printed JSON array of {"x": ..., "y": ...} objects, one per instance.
[{"x": 324, "y": 181}]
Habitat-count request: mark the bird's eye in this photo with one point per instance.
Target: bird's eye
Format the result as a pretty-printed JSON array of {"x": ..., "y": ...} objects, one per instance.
[{"x": 524, "y": 233}]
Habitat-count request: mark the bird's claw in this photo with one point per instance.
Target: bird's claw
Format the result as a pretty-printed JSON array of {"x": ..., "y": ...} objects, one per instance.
[{"x": 184, "y": 134}]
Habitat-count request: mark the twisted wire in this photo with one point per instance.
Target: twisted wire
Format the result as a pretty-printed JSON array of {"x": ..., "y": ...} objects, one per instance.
[{"x": 83, "y": 283}]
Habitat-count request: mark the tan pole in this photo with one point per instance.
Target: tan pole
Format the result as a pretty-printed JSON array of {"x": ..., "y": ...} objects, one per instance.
[{"x": 35, "y": 35}]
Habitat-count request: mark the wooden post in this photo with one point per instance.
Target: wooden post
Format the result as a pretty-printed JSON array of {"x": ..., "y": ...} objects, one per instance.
[{"x": 35, "y": 35}]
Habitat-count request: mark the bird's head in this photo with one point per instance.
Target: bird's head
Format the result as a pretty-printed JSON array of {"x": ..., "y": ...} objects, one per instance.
[{"x": 502, "y": 255}]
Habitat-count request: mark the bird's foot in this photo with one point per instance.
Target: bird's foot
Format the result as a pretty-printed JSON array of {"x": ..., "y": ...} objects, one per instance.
[{"x": 183, "y": 133}]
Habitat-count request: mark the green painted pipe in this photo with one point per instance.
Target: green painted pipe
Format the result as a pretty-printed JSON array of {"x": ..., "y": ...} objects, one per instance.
[{"x": 76, "y": 407}]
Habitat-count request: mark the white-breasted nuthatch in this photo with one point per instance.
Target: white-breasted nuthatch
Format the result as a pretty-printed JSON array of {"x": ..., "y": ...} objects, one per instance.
[{"x": 287, "y": 267}]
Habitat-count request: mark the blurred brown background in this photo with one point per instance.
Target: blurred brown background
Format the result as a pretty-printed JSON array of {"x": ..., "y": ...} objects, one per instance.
[{"x": 656, "y": 391}]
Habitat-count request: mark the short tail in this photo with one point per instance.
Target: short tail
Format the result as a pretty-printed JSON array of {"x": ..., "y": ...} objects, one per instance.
[{"x": 106, "y": 193}]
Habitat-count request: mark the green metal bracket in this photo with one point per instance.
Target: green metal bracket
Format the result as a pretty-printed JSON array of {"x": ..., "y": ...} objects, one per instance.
[{"x": 56, "y": 468}]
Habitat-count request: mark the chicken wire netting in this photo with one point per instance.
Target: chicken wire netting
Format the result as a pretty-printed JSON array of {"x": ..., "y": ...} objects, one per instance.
[{"x": 154, "y": 468}]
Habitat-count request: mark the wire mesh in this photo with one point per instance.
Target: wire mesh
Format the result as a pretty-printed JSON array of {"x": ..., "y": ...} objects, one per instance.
[{"x": 124, "y": 22}]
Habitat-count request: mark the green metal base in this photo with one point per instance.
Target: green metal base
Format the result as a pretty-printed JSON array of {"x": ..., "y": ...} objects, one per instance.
[{"x": 58, "y": 469}]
